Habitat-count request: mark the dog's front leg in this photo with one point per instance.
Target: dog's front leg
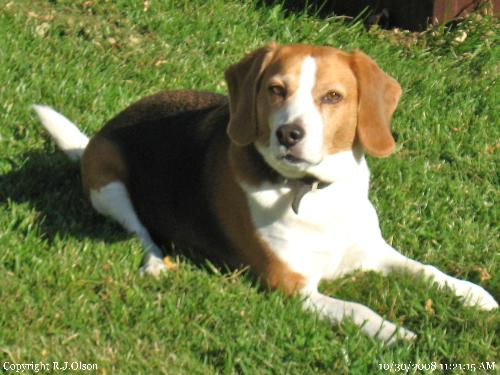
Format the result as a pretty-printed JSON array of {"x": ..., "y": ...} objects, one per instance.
[
  {"x": 389, "y": 259},
  {"x": 371, "y": 324}
]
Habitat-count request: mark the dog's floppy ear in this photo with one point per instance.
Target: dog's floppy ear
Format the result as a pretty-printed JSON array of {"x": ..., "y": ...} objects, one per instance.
[
  {"x": 242, "y": 80},
  {"x": 378, "y": 96}
]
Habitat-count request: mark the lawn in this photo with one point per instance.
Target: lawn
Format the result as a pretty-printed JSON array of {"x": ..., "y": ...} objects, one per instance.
[{"x": 69, "y": 280}]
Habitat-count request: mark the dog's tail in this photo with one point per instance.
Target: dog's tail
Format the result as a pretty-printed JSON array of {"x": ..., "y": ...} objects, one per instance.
[{"x": 66, "y": 134}]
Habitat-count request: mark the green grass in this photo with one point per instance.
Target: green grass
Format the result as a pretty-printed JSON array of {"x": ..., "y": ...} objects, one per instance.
[{"x": 69, "y": 281}]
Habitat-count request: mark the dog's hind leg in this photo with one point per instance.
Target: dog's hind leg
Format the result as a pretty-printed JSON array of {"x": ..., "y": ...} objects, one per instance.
[
  {"x": 113, "y": 200},
  {"x": 104, "y": 175}
]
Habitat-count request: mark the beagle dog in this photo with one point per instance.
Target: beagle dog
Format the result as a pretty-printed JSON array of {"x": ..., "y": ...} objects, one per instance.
[{"x": 273, "y": 177}]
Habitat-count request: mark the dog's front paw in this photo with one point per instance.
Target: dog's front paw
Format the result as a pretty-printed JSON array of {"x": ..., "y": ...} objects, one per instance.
[
  {"x": 474, "y": 295},
  {"x": 153, "y": 267}
]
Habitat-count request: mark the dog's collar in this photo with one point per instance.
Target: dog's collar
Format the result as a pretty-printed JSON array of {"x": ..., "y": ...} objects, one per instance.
[
  {"x": 300, "y": 186},
  {"x": 306, "y": 185}
]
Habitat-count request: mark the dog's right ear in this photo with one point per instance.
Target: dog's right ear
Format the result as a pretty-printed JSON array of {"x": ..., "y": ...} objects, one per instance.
[{"x": 243, "y": 81}]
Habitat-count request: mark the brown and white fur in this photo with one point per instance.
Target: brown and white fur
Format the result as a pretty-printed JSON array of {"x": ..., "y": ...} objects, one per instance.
[{"x": 221, "y": 176}]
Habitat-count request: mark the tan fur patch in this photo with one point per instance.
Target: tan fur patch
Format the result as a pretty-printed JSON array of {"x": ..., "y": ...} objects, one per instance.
[
  {"x": 102, "y": 163},
  {"x": 248, "y": 166},
  {"x": 334, "y": 72}
]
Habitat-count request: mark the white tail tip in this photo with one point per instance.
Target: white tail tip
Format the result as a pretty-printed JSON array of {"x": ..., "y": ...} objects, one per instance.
[{"x": 66, "y": 134}]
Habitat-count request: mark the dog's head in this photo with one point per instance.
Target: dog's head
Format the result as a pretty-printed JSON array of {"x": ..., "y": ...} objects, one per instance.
[{"x": 301, "y": 104}]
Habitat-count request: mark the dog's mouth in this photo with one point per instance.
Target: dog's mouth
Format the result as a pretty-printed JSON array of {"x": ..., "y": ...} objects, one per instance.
[
  {"x": 286, "y": 162},
  {"x": 292, "y": 159},
  {"x": 288, "y": 157}
]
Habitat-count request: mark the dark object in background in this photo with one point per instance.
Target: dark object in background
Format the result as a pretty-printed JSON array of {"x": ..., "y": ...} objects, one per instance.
[{"x": 406, "y": 14}]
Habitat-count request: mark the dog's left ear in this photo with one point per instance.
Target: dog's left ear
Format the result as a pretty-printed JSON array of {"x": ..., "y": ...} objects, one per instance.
[
  {"x": 242, "y": 80},
  {"x": 378, "y": 96}
]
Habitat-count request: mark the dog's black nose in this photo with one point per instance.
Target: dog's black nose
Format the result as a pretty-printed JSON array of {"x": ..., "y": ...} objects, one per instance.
[{"x": 289, "y": 135}]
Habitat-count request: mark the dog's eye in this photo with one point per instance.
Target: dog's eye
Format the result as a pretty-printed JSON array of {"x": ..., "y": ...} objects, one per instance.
[
  {"x": 331, "y": 97},
  {"x": 277, "y": 90}
]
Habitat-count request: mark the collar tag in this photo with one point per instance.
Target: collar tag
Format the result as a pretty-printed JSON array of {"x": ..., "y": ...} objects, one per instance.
[
  {"x": 301, "y": 191},
  {"x": 304, "y": 188}
]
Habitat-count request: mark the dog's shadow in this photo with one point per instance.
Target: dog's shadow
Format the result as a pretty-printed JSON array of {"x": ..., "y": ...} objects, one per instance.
[{"x": 50, "y": 184}]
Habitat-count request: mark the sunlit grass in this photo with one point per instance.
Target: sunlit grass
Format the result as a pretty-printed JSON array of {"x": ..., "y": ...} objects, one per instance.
[{"x": 70, "y": 289}]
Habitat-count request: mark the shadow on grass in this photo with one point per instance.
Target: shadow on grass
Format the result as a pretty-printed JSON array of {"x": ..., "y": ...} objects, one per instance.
[
  {"x": 414, "y": 15},
  {"x": 51, "y": 185}
]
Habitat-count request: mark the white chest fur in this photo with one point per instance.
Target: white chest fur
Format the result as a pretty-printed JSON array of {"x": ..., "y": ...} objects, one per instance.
[{"x": 330, "y": 223}]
